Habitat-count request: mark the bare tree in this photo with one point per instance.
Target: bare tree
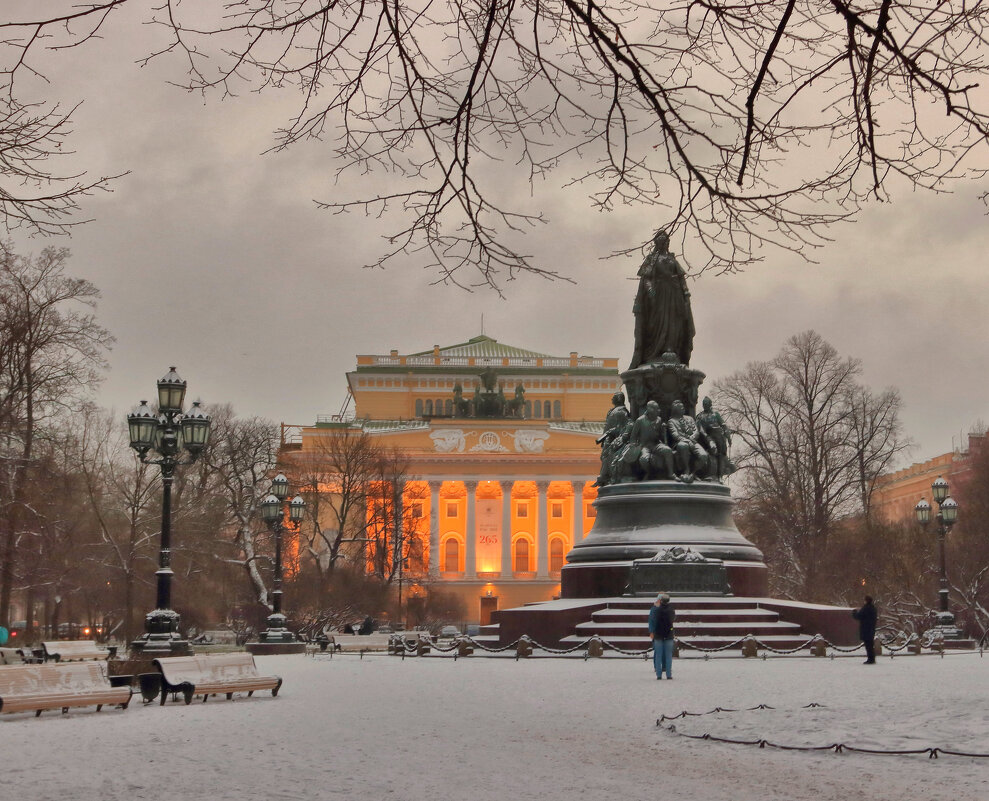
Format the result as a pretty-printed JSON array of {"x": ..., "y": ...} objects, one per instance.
[
  {"x": 51, "y": 354},
  {"x": 968, "y": 546},
  {"x": 746, "y": 122},
  {"x": 238, "y": 461},
  {"x": 813, "y": 441},
  {"x": 335, "y": 478},
  {"x": 122, "y": 495}
]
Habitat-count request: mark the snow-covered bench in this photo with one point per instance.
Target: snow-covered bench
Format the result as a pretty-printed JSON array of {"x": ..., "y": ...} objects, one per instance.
[
  {"x": 72, "y": 650},
  {"x": 359, "y": 643},
  {"x": 25, "y": 688},
  {"x": 210, "y": 674},
  {"x": 15, "y": 656}
]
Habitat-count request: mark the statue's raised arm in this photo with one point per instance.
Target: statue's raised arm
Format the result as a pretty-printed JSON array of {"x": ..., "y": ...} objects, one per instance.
[{"x": 664, "y": 322}]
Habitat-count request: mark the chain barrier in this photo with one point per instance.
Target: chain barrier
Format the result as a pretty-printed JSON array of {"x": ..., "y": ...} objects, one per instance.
[
  {"x": 913, "y": 642},
  {"x": 932, "y": 752}
]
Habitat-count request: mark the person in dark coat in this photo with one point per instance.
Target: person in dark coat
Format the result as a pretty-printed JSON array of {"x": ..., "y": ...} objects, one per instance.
[
  {"x": 661, "y": 618},
  {"x": 866, "y": 616}
]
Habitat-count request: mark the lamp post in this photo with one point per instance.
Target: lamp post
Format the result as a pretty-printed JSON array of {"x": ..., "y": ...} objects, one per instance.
[
  {"x": 161, "y": 438},
  {"x": 277, "y": 639},
  {"x": 946, "y": 517}
]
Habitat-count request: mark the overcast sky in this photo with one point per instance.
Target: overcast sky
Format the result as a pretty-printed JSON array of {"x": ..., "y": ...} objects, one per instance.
[{"x": 213, "y": 258}]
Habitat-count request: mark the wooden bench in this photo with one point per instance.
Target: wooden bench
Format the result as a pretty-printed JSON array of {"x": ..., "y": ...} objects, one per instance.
[
  {"x": 210, "y": 674},
  {"x": 72, "y": 651},
  {"x": 25, "y": 688},
  {"x": 12, "y": 656},
  {"x": 360, "y": 643}
]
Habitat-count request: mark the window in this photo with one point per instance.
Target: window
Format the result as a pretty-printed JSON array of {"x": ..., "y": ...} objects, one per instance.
[
  {"x": 429, "y": 407},
  {"x": 528, "y": 409},
  {"x": 417, "y": 511},
  {"x": 556, "y": 510},
  {"x": 557, "y": 410},
  {"x": 521, "y": 555},
  {"x": 439, "y": 406},
  {"x": 449, "y": 407},
  {"x": 556, "y": 555},
  {"x": 536, "y": 409},
  {"x": 451, "y": 555},
  {"x": 452, "y": 509},
  {"x": 547, "y": 410},
  {"x": 418, "y": 407},
  {"x": 522, "y": 509}
]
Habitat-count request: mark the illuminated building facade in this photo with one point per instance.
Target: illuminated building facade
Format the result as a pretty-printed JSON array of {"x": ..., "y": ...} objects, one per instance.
[
  {"x": 502, "y": 458},
  {"x": 897, "y": 493}
]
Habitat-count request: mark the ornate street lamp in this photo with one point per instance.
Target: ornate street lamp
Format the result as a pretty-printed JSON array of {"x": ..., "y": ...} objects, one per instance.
[
  {"x": 160, "y": 438},
  {"x": 277, "y": 638},
  {"x": 946, "y": 517}
]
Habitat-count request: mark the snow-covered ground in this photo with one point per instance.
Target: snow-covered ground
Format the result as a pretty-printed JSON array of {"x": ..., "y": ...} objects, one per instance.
[{"x": 485, "y": 728}]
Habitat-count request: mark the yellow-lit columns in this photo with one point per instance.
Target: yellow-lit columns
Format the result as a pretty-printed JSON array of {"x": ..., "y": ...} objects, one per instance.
[
  {"x": 470, "y": 535},
  {"x": 542, "y": 527},
  {"x": 434, "y": 528},
  {"x": 506, "y": 528},
  {"x": 578, "y": 511}
]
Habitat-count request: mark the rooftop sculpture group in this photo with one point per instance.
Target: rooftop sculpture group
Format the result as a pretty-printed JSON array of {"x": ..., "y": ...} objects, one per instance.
[
  {"x": 659, "y": 438},
  {"x": 489, "y": 402}
]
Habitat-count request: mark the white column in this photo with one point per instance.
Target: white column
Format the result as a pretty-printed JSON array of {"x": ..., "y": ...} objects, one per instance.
[
  {"x": 578, "y": 511},
  {"x": 542, "y": 537},
  {"x": 434, "y": 528},
  {"x": 470, "y": 560},
  {"x": 506, "y": 528}
]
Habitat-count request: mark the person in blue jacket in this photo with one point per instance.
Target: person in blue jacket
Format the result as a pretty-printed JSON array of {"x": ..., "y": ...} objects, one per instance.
[{"x": 661, "y": 618}]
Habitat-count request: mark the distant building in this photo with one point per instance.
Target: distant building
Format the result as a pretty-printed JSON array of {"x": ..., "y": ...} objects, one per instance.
[
  {"x": 501, "y": 443},
  {"x": 896, "y": 494}
]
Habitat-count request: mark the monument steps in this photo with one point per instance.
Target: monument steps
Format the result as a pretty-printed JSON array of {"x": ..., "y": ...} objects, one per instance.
[
  {"x": 705, "y": 621},
  {"x": 685, "y": 629}
]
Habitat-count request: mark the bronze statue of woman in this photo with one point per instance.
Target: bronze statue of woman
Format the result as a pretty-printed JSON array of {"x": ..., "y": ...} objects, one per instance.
[{"x": 663, "y": 320}]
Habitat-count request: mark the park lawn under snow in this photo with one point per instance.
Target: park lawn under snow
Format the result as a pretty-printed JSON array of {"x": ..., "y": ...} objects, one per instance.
[{"x": 493, "y": 728}]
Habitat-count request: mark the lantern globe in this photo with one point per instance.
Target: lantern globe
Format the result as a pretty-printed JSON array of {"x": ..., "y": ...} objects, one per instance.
[
  {"x": 296, "y": 508},
  {"x": 279, "y": 487},
  {"x": 940, "y": 489},
  {"x": 195, "y": 428},
  {"x": 171, "y": 392},
  {"x": 923, "y": 511},
  {"x": 271, "y": 509},
  {"x": 142, "y": 424},
  {"x": 949, "y": 511}
]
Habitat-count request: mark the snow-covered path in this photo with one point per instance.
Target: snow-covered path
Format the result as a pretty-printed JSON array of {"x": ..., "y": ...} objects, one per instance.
[{"x": 546, "y": 729}]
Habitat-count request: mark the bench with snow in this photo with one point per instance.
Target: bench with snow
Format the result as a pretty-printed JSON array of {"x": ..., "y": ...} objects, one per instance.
[
  {"x": 211, "y": 674},
  {"x": 72, "y": 651},
  {"x": 26, "y": 688},
  {"x": 359, "y": 643},
  {"x": 16, "y": 656}
]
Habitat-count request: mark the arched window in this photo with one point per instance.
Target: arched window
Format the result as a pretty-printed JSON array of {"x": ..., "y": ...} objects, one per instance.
[
  {"x": 451, "y": 555},
  {"x": 449, "y": 407},
  {"x": 556, "y": 555},
  {"x": 547, "y": 410},
  {"x": 429, "y": 407},
  {"x": 439, "y": 406},
  {"x": 537, "y": 408},
  {"x": 418, "y": 407},
  {"x": 557, "y": 410},
  {"x": 521, "y": 555},
  {"x": 528, "y": 409}
]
